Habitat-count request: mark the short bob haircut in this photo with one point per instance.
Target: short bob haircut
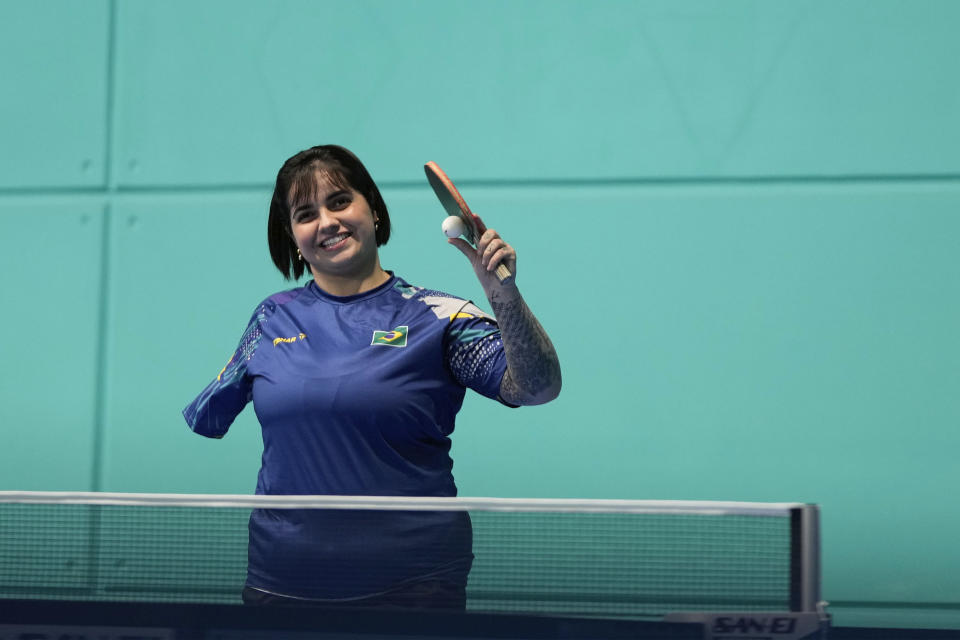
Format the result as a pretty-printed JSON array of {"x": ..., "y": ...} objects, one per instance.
[{"x": 296, "y": 180}]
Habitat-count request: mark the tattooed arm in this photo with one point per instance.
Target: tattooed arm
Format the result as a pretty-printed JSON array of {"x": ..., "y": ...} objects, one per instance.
[{"x": 533, "y": 369}]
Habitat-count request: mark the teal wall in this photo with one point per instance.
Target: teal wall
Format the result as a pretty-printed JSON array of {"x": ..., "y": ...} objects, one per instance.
[{"x": 738, "y": 221}]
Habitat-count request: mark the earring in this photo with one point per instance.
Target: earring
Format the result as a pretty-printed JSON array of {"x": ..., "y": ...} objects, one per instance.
[{"x": 299, "y": 257}]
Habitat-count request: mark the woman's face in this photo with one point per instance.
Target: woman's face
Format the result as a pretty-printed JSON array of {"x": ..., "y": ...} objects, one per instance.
[{"x": 334, "y": 229}]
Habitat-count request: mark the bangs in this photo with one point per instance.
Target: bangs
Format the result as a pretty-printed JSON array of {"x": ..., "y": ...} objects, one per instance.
[{"x": 312, "y": 180}]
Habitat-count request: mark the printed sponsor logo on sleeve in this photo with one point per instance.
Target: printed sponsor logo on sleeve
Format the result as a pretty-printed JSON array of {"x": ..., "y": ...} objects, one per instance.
[{"x": 295, "y": 338}]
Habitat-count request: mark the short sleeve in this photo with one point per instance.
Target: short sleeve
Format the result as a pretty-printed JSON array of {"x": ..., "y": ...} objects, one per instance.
[
  {"x": 474, "y": 352},
  {"x": 213, "y": 411}
]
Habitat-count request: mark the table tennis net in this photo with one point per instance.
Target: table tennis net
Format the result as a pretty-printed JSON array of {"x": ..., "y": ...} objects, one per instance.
[{"x": 629, "y": 559}]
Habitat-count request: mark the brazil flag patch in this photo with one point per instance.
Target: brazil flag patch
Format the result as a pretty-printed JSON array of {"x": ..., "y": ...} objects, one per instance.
[{"x": 395, "y": 338}]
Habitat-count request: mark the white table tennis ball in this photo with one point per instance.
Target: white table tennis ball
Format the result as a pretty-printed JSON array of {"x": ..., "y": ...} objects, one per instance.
[{"x": 453, "y": 227}]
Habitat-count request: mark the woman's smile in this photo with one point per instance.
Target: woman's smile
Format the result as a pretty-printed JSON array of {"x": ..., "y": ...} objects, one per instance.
[{"x": 336, "y": 242}]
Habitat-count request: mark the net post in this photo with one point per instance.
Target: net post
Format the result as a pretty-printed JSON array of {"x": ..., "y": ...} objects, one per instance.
[{"x": 805, "y": 558}]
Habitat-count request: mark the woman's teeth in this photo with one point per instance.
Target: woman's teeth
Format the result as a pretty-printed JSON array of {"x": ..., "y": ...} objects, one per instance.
[{"x": 329, "y": 242}]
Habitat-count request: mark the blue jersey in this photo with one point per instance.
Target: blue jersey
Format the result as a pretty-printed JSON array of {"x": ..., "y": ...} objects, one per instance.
[{"x": 355, "y": 395}]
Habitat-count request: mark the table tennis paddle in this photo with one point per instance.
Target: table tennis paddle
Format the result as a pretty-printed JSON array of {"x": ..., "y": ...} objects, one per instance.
[{"x": 455, "y": 205}]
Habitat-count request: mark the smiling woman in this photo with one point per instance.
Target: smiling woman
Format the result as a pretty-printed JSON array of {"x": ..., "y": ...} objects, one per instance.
[
  {"x": 331, "y": 223},
  {"x": 321, "y": 193},
  {"x": 356, "y": 379}
]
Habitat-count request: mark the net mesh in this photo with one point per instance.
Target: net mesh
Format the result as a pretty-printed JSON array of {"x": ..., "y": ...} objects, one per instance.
[
  {"x": 630, "y": 564},
  {"x": 610, "y": 564}
]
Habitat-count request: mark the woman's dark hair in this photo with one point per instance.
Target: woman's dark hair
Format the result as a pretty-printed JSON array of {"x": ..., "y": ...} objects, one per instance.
[{"x": 297, "y": 179}]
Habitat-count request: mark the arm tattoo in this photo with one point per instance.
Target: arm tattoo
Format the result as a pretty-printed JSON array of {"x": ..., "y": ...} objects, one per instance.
[{"x": 533, "y": 369}]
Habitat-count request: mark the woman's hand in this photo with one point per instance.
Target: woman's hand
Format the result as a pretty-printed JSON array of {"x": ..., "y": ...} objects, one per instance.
[{"x": 491, "y": 251}]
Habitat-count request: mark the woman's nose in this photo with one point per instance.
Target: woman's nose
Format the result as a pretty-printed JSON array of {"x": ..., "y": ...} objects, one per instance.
[{"x": 326, "y": 219}]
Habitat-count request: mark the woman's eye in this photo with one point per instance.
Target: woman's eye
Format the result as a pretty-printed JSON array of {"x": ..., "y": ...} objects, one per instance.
[{"x": 341, "y": 202}]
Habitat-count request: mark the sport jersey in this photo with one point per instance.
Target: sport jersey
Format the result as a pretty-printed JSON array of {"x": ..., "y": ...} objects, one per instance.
[{"x": 355, "y": 395}]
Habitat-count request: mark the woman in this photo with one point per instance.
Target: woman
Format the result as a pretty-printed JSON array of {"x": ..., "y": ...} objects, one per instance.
[{"x": 356, "y": 379}]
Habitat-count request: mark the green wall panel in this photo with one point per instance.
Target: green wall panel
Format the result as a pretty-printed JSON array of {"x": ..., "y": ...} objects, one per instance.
[
  {"x": 187, "y": 273},
  {"x": 537, "y": 90},
  {"x": 50, "y": 255},
  {"x": 53, "y": 93}
]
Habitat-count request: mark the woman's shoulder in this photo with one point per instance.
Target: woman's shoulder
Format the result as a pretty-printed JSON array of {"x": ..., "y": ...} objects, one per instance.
[
  {"x": 445, "y": 306},
  {"x": 269, "y": 304}
]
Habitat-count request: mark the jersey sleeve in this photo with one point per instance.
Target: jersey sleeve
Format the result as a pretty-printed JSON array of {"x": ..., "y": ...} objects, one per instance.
[
  {"x": 218, "y": 405},
  {"x": 474, "y": 352}
]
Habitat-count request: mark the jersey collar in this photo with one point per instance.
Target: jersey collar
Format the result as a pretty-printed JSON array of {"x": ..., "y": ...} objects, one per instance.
[{"x": 314, "y": 289}]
